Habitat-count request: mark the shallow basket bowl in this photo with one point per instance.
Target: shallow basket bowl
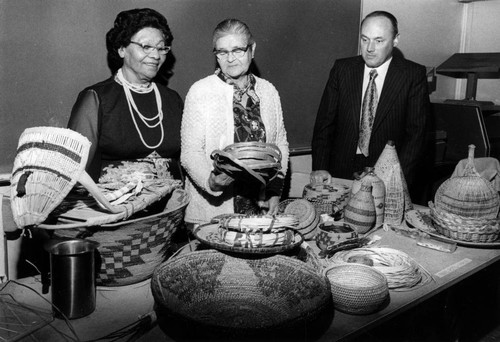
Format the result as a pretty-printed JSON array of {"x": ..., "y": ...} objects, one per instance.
[{"x": 212, "y": 294}]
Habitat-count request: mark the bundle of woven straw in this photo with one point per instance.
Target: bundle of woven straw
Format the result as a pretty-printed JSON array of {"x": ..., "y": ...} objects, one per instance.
[
  {"x": 258, "y": 223},
  {"x": 256, "y": 230},
  {"x": 402, "y": 272},
  {"x": 260, "y": 161}
]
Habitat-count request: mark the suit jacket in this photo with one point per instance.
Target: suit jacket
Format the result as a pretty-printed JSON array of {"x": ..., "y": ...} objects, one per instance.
[{"x": 401, "y": 116}]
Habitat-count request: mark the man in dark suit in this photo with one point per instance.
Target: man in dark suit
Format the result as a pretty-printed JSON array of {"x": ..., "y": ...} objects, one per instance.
[{"x": 399, "y": 107}]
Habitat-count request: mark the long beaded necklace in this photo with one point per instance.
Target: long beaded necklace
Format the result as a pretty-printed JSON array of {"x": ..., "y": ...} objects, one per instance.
[{"x": 127, "y": 87}]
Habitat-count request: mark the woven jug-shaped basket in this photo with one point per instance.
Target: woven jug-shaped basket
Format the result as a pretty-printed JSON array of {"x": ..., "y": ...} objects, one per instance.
[
  {"x": 359, "y": 212},
  {"x": 469, "y": 195},
  {"x": 378, "y": 191}
]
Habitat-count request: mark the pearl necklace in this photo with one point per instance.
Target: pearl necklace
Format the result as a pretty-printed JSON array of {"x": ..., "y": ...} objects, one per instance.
[{"x": 127, "y": 87}]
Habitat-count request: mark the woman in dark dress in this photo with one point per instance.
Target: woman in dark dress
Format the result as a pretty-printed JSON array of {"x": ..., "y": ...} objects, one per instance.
[{"x": 129, "y": 116}]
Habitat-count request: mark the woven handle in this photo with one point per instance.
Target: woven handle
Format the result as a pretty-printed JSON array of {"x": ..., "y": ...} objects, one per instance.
[{"x": 91, "y": 186}]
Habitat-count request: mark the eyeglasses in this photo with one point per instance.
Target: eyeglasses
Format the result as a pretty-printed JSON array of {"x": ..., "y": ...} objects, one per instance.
[
  {"x": 237, "y": 53},
  {"x": 162, "y": 50}
]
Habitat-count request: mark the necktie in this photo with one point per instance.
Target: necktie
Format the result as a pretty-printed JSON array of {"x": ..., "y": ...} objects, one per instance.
[{"x": 370, "y": 101}]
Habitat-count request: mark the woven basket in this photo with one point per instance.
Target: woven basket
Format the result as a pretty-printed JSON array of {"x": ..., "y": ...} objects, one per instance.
[
  {"x": 249, "y": 161},
  {"x": 464, "y": 228},
  {"x": 327, "y": 198},
  {"x": 357, "y": 289},
  {"x": 130, "y": 250},
  {"x": 306, "y": 214},
  {"x": 470, "y": 195},
  {"x": 211, "y": 295}
]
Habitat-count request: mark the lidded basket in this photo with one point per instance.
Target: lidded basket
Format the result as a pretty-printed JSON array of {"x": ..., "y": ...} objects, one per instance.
[{"x": 469, "y": 195}]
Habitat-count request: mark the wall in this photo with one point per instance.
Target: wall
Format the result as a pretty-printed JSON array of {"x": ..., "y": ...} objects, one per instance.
[
  {"x": 431, "y": 31},
  {"x": 52, "y": 49}
]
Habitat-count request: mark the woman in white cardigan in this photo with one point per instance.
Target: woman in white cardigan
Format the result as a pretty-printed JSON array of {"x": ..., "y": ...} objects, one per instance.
[{"x": 232, "y": 105}]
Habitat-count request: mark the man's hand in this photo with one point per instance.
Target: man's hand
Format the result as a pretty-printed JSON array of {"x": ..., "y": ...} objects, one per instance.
[{"x": 321, "y": 176}]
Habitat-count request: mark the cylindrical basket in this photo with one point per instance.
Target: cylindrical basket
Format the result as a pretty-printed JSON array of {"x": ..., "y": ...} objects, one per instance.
[
  {"x": 327, "y": 198},
  {"x": 211, "y": 295},
  {"x": 357, "y": 289},
  {"x": 129, "y": 251}
]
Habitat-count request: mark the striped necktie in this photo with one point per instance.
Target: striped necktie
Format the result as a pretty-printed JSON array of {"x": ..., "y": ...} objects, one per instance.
[{"x": 370, "y": 101}]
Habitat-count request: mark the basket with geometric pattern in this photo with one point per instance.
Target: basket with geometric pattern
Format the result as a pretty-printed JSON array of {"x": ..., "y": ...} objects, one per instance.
[
  {"x": 129, "y": 251},
  {"x": 212, "y": 296}
]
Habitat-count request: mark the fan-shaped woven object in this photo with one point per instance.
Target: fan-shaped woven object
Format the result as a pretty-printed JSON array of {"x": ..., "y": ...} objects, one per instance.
[
  {"x": 48, "y": 164},
  {"x": 212, "y": 295},
  {"x": 357, "y": 289},
  {"x": 327, "y": 198},
  {"x": 306, "y": 214},
  {"x": 464, "y": 228},
  {"x": 470, "y": 195},
  {"x": 249, "y": 161}
]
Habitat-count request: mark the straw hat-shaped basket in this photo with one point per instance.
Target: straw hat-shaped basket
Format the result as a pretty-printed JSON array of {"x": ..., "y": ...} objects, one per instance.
[
  {"x": 306, "y": 214},
  {"x": 130, "y": 250},
  {"x": 469, "y": 196},
  {"x": 357, "y": 289},
  {"x": 463, "y": 228},
  {"x": 211, "y": 295},
  {"x": 327, "y": 198}
]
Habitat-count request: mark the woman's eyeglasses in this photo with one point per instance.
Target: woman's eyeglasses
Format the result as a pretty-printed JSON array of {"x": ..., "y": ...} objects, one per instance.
[
  {"x": 162, "y": 50},
  {"x": 237, "y": 53}
]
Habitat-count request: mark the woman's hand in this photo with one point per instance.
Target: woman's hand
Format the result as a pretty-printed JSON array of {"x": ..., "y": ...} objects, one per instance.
[
  {"x": 320, "y": 176},
  {"x": 270, "y": 206},
  {"x": 219, "y": 181}
]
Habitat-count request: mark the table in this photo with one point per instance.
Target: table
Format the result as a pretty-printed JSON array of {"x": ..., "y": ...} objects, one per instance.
[{"x": 120, "y": 306}]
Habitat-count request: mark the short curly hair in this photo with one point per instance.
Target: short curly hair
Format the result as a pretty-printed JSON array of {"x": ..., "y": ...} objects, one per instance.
[{"x": 128, "y": 23}]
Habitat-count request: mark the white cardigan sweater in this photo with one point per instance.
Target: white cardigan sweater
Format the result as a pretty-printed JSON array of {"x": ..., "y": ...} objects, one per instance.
[{"x": 207, "y": 125}]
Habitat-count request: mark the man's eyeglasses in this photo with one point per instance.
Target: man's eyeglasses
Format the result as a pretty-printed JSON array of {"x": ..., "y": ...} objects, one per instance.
[
  {"x": 237, "y": 53},
  {"x": 162, "y": 50}
]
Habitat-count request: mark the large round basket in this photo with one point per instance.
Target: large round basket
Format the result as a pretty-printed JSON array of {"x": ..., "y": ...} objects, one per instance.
[
  {"x": 357, "y": 289},
  {"x": 209, "y": 295},
  {"x": 129, "y": 251}
]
